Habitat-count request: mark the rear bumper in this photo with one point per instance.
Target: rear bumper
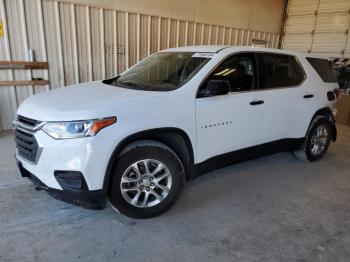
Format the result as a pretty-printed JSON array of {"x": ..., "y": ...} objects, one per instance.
[
  {"x": 90, "y": 199},
  {"x": 334, "y": 133},
  {"x": 334, "y": 129}
]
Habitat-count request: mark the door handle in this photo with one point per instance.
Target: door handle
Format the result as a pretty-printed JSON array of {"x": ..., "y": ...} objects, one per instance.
[
  {"x": 255, "y": 103},
  {"x": 309, "y": 96}
]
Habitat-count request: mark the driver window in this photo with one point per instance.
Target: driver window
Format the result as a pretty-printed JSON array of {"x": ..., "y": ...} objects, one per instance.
[{"x": 238, "y": 70}]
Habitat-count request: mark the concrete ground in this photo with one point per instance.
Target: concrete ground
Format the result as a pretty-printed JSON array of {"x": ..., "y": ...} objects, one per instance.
[{"x": 274, "y": 208}]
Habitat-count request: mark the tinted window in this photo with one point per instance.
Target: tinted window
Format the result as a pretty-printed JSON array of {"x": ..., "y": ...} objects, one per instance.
[
  {"x": 323, "y": 68},
  {"x": 279, "y": 70},
  {"x": 238, "y": 70}
]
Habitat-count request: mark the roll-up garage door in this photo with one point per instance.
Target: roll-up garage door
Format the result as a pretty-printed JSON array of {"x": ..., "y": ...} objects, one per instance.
[{"x": 318, "y": 26}]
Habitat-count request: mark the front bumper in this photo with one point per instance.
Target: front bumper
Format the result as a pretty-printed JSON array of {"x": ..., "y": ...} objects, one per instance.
[
  {"x": 71, "y": 170},
  {"x": 95, "y": 199},
  {"x": 89, "y": 156}
]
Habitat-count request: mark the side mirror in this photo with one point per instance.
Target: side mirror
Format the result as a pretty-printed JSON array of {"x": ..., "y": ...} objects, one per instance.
[{"x": 218, "y": 87}]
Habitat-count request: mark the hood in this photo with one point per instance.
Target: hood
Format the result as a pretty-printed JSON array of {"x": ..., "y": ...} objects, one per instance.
[{"x": 82, "y": 101}]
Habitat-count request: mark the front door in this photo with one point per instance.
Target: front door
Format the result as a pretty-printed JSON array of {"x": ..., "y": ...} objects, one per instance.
[{"x": 231, "y": 121}]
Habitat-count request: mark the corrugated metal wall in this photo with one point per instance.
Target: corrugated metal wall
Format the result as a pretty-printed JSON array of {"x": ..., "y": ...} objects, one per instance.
[
  {"x": 318, "y": 26},
  {"x": 83, "y": 43}
]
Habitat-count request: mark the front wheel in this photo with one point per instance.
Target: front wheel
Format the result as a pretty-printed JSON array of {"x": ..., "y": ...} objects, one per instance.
[
  {"x": 317, "y": 140},
  {"x": 147, "y": 180}
]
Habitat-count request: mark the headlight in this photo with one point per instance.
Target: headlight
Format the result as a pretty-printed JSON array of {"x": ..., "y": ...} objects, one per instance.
[{"x": 77, "y": 129}]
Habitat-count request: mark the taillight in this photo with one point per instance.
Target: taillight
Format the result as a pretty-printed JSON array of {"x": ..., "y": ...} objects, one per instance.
[{"x": 337, "y": 92}]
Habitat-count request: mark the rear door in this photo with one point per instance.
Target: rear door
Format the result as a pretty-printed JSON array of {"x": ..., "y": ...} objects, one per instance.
[
  {"x": 280, "y": 84},
  {"x": 232, "y": 121}
]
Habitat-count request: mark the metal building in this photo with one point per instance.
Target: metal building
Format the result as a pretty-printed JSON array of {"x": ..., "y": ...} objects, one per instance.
[{"x": 84, "y": 43}]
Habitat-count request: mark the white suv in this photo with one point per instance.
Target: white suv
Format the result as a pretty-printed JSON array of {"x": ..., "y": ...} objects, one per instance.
[{"x": 135, "y": 139}]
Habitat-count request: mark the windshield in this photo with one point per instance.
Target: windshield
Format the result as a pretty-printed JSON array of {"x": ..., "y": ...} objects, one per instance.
[{"x": 163, "y": 71}]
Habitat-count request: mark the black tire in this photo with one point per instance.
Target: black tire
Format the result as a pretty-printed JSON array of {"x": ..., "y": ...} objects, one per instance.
[
  {"x": 146, "y": 149},
  {"x": 305, "y": 153}
]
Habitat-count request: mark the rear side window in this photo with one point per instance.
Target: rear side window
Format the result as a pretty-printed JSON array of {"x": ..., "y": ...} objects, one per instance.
[
  {"x": 323, "y": 68},
  {"x": 278, "y": 70}
]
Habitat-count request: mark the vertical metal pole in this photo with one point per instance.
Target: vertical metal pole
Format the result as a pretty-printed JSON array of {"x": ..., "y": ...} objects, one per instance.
[
  {"x": 159, "y": 32},
  {"x": 177, "y": 33},
  {"x": 126, "y": 40},
  {"x": 168, "y": 33},
  {"x": 138, "y": 37},
  {"x": 236, "y": 36},
  {"x": 75, "y": 43},
  {"x": 209, "y": 36},
  {"x": 149, "y": 35},
  {"x": 186, "y": 33},
  {"x": 194, "y": 33},
  {"x": 103, "y": 63},
  {"x": 115, "y": 44},
  {"x": 59, "y": 43}
]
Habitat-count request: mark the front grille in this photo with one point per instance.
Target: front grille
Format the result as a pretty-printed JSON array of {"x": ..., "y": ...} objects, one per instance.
[
  {"x": 27, "y": 121},
  {"x": 27, "y": 145}
]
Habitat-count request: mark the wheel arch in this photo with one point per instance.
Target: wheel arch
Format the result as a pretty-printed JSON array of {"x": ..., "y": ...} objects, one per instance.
[
  {"x": 175, "y": 138},
  {"x": 327, "y": 112}
]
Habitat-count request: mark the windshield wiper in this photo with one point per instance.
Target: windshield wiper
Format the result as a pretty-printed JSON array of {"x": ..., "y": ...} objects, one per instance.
[
  {"x": 131, "y": 84},
  {"x": 111, "y": 81}
]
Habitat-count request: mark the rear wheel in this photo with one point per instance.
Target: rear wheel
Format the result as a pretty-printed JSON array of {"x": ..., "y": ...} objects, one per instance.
[
  {"x": 147, "y": 180},
  {"x": 317, "y": 140}
]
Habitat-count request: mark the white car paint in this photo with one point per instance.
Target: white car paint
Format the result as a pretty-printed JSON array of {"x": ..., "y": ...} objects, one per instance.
[{"x": 285, "y": 114}]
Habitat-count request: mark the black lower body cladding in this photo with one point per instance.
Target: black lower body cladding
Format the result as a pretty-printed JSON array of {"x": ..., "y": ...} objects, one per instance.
[{"x": 90, "y": 199}]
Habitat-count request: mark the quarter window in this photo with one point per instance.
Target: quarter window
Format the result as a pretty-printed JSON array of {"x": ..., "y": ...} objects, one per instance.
[
  {"x": 278, "y": 70},
  {"x": 323, "y": 68}
]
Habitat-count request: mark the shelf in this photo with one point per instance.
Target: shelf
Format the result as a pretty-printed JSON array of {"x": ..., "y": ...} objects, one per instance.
[
  {"x": 23, "y": 65},
  {"x": 24, "y": 83}
]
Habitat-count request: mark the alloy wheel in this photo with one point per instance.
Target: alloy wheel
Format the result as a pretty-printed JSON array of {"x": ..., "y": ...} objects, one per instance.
[
  {"x": 146, "y": 183},
  {"x": 319, "y": 140}
]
